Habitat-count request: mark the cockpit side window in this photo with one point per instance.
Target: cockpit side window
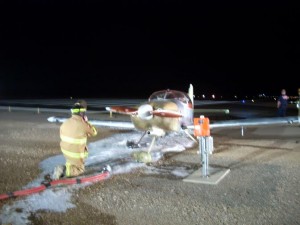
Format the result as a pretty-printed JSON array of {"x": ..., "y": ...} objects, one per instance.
[{"x": 159, "y": 95}]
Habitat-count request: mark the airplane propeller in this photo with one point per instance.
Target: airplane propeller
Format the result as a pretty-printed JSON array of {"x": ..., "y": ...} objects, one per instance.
[{"x": 146, "y": 112}]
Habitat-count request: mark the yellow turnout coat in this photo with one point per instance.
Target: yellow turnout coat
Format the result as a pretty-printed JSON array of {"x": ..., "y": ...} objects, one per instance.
[{"x": 73, "y": 134}]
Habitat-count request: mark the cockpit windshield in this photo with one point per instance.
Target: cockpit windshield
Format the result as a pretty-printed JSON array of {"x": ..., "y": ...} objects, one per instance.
[{"x": 170, "y": 94}]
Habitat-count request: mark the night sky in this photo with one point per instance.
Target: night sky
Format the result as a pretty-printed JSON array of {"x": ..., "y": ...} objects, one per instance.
[{"x": 101, "y": 49}]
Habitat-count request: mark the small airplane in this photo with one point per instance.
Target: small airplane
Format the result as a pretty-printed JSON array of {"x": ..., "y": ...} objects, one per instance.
[
  {"x": 171, "y": 111},
  {"x": 165, "y": 111}
]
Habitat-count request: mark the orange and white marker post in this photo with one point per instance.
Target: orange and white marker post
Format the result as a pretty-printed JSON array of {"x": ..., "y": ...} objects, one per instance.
[{"x": 202, "y": 131}]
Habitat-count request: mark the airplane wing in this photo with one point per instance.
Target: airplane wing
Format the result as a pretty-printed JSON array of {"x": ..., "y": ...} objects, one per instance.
[
  {"x": 252, "y": 122},
  {"x": 212, "y": 125},
  {"x": 110, "y": 124}
]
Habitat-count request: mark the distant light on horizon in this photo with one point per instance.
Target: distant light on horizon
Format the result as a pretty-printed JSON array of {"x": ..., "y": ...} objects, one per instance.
[
  {"x": 239, "y": 97},
  {"x": 262, "y": 95}
]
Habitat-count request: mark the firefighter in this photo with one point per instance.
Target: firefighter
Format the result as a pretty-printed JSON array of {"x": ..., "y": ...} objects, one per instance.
[{"x": 73, "y": 134}]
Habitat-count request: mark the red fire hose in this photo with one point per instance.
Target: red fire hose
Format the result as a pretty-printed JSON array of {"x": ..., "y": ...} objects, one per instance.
[{"x": 47, "y": 184}]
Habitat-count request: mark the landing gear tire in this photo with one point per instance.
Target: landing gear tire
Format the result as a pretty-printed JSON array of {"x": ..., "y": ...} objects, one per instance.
[{"x": 132, "y": 144}]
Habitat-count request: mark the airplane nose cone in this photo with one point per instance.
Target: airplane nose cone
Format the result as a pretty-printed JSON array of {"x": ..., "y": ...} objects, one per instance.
[{"x": 145, "y": 112}]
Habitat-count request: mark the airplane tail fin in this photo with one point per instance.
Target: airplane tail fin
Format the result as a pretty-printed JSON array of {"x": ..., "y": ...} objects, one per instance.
[{"x": 191, "y": 93}]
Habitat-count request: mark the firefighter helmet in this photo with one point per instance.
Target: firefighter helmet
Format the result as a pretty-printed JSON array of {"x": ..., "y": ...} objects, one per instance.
[
  {"x": 81, "y": 103},
  {"x": 79, "y": 107}
]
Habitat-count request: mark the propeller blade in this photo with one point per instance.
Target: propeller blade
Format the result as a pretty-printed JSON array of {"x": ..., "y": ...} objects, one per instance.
[{"x": 166, "y": 113}]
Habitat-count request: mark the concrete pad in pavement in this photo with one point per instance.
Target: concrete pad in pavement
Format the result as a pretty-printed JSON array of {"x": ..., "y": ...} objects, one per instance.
[{"x": 214, "y": 176}]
